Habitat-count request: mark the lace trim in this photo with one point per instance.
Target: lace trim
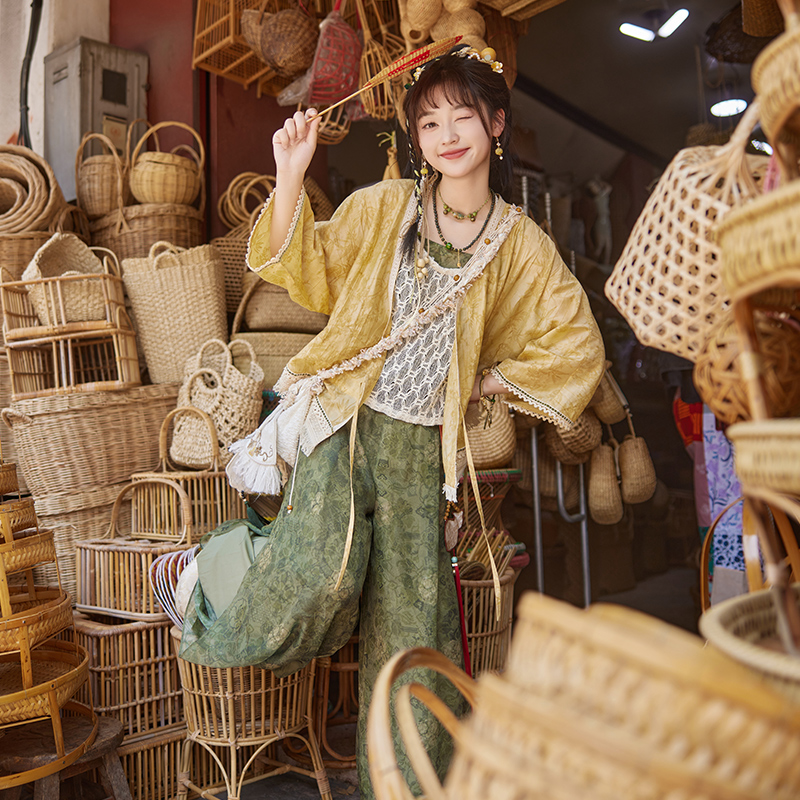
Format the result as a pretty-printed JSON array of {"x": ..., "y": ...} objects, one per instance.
[
  {"x": 298, "y": 209},
  {"x": 545, "y": 411}
]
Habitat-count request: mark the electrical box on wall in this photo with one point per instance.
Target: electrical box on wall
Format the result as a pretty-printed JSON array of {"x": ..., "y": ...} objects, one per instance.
[{"x": 89, "y": 86}]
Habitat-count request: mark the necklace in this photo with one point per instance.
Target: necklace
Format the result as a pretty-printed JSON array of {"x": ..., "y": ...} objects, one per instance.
[
  {"x": 450, "y": 245},
  {"x": 471, "y": 216}
]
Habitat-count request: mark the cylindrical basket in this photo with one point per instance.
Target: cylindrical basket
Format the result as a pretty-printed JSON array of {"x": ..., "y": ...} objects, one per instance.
[
  {"x": 767, "y": 454},
  {"x": 604, "y": 497},
  {"x": 101, "y": 179}
]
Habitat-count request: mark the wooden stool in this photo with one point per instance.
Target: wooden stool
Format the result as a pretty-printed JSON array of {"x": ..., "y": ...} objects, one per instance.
[{"x": 31, "y": 746}]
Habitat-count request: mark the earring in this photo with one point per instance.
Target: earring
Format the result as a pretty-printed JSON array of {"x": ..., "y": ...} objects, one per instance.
[
  {"x": 498, "y": 151},
  {"x": 424, "y": 170}
]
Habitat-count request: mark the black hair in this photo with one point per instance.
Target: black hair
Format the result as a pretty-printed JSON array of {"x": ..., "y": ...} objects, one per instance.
[{"x": 463, "y": 81}]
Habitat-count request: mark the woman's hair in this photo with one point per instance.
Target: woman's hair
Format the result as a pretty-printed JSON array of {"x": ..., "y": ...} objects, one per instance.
[{"x": 473, "y": 83}]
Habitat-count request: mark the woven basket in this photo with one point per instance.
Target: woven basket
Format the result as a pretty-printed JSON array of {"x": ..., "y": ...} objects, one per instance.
[
  {"x": 37, "y": 616},
  {"x": 285, "y": 40},
  {"x": 8, "y": 449},
  {"x": 767, "y": 454},
  {"x": 100, "y": 180},
  {"x": 22, "y": 554},
  {"x": 745, "y": 628},
  {"x": 761, "y": 18},
  {"x": 548, "y": 483},
  {"x": 131, "y": 231},
  {"x": 637, "y": 475},
  {"x": 577, "y": 443},
  {"x": 604, "y": 496},
  {"x": 492, "y": 445},
  {"x": 269, "y": 308},
  {"x": 718, "y": 375},
  {"x": 79, "y": 441},
  {"x": 15, "y": 516},
  {"x": 178, "y": 298},
  {"x": 667, "y": 281},
  {"x": 17, "y": 249},
  {"x": 63, "y": 255},
  {"x": 9, "y": 483},
  {"x": 212, "y": 499},
  {"x": 608, "y": 401},
  {"x": 759, "y": 242},
  {"x": 232, "y": 250},
  {"x": 334, "y": 72},
  {"x": 167, "y": 178}
]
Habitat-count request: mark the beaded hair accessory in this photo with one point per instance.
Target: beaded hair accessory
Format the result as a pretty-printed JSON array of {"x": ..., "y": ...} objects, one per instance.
[{"x": 487, "y": 56}]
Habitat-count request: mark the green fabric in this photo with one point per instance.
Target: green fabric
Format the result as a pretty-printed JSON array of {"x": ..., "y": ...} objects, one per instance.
[{"x": 286, "y": 612}]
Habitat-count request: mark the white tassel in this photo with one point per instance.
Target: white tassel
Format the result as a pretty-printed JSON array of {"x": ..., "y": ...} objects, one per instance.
[{"x": 450, "y": 493}]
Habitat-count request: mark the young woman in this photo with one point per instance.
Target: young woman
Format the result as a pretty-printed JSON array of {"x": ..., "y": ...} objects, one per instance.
[{"x": 439, "y": 292}]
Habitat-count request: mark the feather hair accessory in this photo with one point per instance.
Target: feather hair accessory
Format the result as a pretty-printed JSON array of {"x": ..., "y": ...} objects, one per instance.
[{"x": 405, "y": 63}]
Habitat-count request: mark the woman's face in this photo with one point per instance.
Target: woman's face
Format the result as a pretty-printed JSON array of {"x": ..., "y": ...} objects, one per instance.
[{"x": 453, "y": 139}]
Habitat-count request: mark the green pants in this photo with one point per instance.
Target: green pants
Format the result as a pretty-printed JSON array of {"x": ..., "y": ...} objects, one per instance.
[{"x": 399, "y": 575}]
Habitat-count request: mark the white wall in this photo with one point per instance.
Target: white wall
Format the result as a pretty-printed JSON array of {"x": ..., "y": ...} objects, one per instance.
[{"x": 62, "y": 22}]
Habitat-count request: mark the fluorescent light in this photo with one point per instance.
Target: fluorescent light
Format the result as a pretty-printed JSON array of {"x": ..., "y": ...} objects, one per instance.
[
  {"x": 673, "y": 23},
  {"x": 728, "y": 108},
  {"x": 636, "y": 32},
  {"x": 764, "y": 147}
]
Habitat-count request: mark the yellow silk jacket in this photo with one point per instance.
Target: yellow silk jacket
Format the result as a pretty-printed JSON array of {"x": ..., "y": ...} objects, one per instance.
[{"x": 520, "y": 312}]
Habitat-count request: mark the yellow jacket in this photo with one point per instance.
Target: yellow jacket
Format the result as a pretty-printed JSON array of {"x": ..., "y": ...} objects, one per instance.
[{"x": 520, "y": 311}]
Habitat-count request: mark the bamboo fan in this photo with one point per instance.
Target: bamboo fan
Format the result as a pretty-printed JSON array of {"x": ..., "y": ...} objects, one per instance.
[
  {"x": 406, "y": 63},
  {"x": 394, "y": 45},
  {"x": 378, "y": 101}
]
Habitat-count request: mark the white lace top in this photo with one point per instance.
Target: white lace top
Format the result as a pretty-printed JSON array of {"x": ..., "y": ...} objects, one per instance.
[{"x": 412, "y": 382}]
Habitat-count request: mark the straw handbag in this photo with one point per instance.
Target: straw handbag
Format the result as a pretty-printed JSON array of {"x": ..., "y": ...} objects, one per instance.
[
  {"x": 667, "y": 283},
  {"x": 636, "y": 470},
  {"x": 157, "y": 177},
  {"x": 492, "y": 441},
  {"x": 64, "y": 254},
  {"x": 269, "y": 308},
  {"x": 178, "y": 298},
  {"x": 230, "y": 397},
  {"x": 99, "y": 180},
  {"x": 604, "y": 496}
]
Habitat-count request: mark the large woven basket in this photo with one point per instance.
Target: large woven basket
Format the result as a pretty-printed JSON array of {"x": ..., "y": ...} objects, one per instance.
[
  {"x": 767, "y": 454},
  {"x": 667, "y": 282},
  {"x": 79, "y": 441},
  {"x": 745, "y": 628},
  {"x": 8, "y": 450},
  {"x": 274, "y": 350},
  {"x": 178, "y": 298},
  {"x": 17, "y": 249},
  {"x": 269, "y": 308},
  {"x": 759, "y": 242}
]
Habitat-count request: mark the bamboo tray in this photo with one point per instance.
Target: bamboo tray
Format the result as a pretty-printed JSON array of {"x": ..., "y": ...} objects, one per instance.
[
  {"x": 59, "y": 669},
  {"x": 767, "y": 454},
  {"x": 36, "y": 617}
]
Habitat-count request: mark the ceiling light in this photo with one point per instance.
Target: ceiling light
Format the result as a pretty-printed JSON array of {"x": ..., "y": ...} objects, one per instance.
[
  {"x": 637, "y": 32},
  {"x": 764, "y": 147},
  {"x": 728, "y": 108},
  {"x": 673, "y": 23}
]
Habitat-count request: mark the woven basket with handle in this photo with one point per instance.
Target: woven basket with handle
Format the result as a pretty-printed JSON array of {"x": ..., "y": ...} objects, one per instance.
[
  {"x": 604, "y": 496},
  {"x": 667, "y": 282},
  {"x": 269, "y": 308},
  {"x": 494, "y": 441},
  {"x": 99, "y": 179}
]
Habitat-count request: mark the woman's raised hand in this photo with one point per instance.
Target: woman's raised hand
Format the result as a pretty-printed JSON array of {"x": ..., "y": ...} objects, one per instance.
[{"x": 294, "y": 144}]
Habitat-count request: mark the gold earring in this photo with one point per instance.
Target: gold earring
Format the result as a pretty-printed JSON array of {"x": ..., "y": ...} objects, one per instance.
[{"x": 498, "y": 151}]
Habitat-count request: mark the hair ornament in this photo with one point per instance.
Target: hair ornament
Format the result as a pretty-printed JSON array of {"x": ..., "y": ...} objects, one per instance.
[{"x": 487, "y": 55}]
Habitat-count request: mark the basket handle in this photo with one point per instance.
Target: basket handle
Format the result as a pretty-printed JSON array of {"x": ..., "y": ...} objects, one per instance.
[
  {"x": 201, "y": 352},
  {"x": 248, "y": 348},
  {"x": 160, "y": 251},
  {"x": 115, "y": 270},
  {"x": 11, "y": 417},
  {"x": 732, "y": 157},
  {"x": 150, "y": 131},
  {"x": 109, "y": 145},
  {"x": 189, "y": 150},
  {"x": 58, "y": 225},
  {"x": 705, "y": 555},
  {"x": 383, "y": 759},
  {"x": 237, "y": 320},
  {"x": 163, "y": 453},
  {"x": 128, "y": 137},
  {"x": 185, "y": 503}
]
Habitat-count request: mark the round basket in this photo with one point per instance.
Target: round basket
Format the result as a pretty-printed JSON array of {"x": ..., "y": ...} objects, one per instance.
[
  {"x": 16, "y": 516},
  {"x": 269, "y": 308},
  {"x": 167, "y": 178},
  {"x": 718, "y": 376},
  {"x": 767, "y": 454},
  {"x": 608, "y": 401},
  {"x": 34, "y": 621},
  {"x": 761, "y": 18},
  {"x": 760, "y": 241},
  {"x": 745, "y": 628},
  {"x": 100, "y": 180},
  {"x": 577, "y": 443},
  {"x": 9, "y": 483},
  {"x": 492, "y": 445},
  {"x": 285, "y": 41}
]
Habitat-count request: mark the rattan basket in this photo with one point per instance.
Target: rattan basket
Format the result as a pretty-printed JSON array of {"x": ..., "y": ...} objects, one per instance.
[
  {"x": 22, "y": 554},
  {"x": 492, "y": 443},
  {"x": 16, "y": 516},
  {"x": 100, "y": 179},
  {"x": 9, "y": 483},
  {"x": 37, "y": 615},
  {"x": 284, "y": 40},
  {"x": 767, "y": 454},
  {"x": 608, "y": 401},
  {"x": 667, "y": 282},
  {"x": 17, "y": 249},
  {"x": 269, "y": 308},
  {"x": 604, "y": 497},
  {"x": 79, "y": 441}
]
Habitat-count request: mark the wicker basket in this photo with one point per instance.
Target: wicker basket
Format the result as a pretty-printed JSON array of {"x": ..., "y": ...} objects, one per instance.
[
  {"x": 9, "y": 483},
  {"x": 492, "y": 445},
  {"x": 131, "y": 231},
  {"x": 17, "y": 249},
  {"x": 667, "y": 281},
  {"x": 269, "y": 308},
  {"x": 16, "y": 516},
  {"x": 212, "y": 499},
  {"x": 112, "y": 573},
  {"x": 767, "y": 454},
  {"x": 274, "y": 350},
  {"x": 718, "y": 374},
  {"x": 133, "y": 673},
  {"x": 178, "y": 298},
  {"x": 232, "y": 249},
  {"x": 101, "y": 179},
  {"x": 8, "y": 450},
  {"x": 74, "y": 442},
  {"x": 604, "y": 496},
  {"x": 761, "y": 18},
  {"x": 759, "y": 242},
  {"x": 608, "y": 401},
  {"x": 167, "y": 178},
  {"x": 575, "y": 445},
  {"x": 285, "y": 41}
]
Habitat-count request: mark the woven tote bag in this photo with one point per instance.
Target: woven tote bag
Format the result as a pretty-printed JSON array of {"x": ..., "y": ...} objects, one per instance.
[
  {"x": 229, "y": 396},
  {"x": 178, "y": 298},
  {"x": 667, "y": 283},
  {"x": 492, "y": 442}
]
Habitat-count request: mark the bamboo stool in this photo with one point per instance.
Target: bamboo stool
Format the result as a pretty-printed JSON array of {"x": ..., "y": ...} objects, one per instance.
[
  {"x": 30, "y": 748},
  {"x": 228, "y": 708}
]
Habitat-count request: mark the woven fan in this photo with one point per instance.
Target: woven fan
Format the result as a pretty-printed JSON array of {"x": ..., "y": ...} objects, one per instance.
[{"x": 403, "y": 64}]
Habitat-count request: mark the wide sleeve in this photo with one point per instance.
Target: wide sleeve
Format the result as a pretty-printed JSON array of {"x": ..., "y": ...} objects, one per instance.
[
  {"x": 541, "y": 339},
  {"x": 313, "y": 262}
]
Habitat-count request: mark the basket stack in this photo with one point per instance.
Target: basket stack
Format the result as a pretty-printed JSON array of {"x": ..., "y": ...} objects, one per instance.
[
  {"x": 40, "y": 677},
  {"x": 156, "y": 195}
]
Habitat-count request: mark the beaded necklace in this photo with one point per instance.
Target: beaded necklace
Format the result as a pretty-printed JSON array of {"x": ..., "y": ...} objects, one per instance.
[
  {"x": 458, "y": 215},
  {"x": 450, "y": 245}
]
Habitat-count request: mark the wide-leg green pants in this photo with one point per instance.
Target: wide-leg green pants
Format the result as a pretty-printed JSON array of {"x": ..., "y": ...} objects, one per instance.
[{"x": 399, "y": 575}]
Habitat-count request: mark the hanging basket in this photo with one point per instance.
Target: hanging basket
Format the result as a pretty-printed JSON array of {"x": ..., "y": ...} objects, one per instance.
[
  {"x": 334, "y": 72},
  {"x": 285, "y": 41},
  {"x": 101, "y": 179},
  {"x": 604, "y": 496}
]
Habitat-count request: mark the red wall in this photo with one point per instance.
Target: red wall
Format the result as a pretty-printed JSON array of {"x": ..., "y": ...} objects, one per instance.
[{"x": 236, "y": 125}]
